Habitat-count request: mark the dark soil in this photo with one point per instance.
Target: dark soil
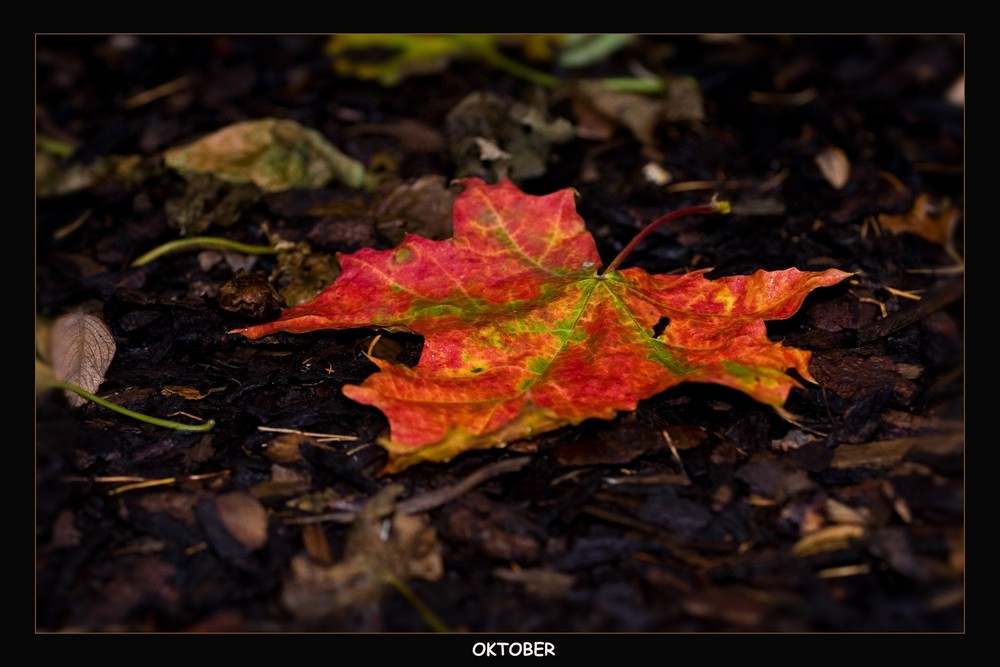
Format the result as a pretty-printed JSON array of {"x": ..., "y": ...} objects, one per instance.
[{"x": 701, "y": 511}]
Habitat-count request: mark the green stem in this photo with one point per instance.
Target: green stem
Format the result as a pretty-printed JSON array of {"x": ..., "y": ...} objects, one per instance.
[
  {"x": 54, "y": 146},
  {"x": 633, "y": 85},
  {"x": 707, "y": 209},
  {"x": 430, "y": 618},
  {"x": 199, "y": 242},
  {"x": 499, "y": 60},
  {"x": 207, "y": 426}
]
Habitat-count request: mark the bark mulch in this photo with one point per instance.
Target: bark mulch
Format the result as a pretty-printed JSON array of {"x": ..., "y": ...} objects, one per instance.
[{"x": 702, "y": 511}]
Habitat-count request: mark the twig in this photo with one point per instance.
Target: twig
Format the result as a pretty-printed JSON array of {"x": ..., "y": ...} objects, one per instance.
[
  {"x": 162, "y": 90},
  {"x": 322, "y": 436},
  {"x": 431, "y": 499},
  {"x": 438, "y": 497}
]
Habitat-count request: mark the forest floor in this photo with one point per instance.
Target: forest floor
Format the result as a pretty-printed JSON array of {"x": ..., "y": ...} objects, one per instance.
[{"x": 700, "y": 511}]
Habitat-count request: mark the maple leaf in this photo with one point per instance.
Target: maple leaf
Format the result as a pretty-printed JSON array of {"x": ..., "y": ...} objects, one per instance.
[{"x": 523, "y": 334}]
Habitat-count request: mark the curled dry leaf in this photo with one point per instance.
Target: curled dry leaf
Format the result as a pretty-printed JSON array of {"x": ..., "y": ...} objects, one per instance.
[
  {"x": 835, "y": 166},
  {"x": 495, "y": 137},
  {"x": 273, "y": 154},
  {"x": 601, "y": 109},
  {"x": 81, "y": 348},
  {"x": 932, "y": 220}
]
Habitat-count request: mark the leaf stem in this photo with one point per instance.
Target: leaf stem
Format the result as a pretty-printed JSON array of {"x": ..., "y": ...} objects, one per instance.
[
  {"x": 633, "y": 85},
  {"x": 500, "y": 61},
  {"x": 429, "y": 617},
  {"x": 207, "y": 426},
  {"x": 214, "y": 242},
  {"x": 706, "y": 209}
]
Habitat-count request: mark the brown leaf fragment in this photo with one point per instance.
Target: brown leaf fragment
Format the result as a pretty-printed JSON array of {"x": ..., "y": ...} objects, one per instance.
[
  {"x": 81, "y": 348},
  {"x": 286, "y": 448},
  {"x": 392, "y": 542},
  {"x": 835, "y": 166},
  {"x": 250, "y": 294},
  {"x": 244, "y": 518},
  {"x": 638, "y": 113},
  {"x": 933, "y": 221},
  {"x": 384, "y": 545},
  {"x": 495, "y": 137}
]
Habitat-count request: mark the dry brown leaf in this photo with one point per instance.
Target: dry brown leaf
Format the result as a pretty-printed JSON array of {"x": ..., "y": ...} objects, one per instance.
[
  {"x": 274, "y": 154},
  {"x": 494, "y": 137},
  {"x": 835, "y": 166},
  {"x": 81, "y": 348},
  {"x": 639, "y": 113},
  {"x": 932, "y": 221},
  {"x": 384, "y": 545},
  {"x": 244, "y": 517}
]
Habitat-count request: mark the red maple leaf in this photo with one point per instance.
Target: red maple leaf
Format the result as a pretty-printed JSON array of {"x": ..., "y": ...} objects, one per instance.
[{"x": 523, "y": 333}]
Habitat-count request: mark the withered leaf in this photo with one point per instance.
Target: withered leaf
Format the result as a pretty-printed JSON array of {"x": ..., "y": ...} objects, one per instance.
[
  {"x": 935, "y": 222},
  {"x": 274, "y": 154},
  {"x": 835, "y": 166},
  {"x": 81, "y": 348},
  {"x": 495, "y": 137},
  {"x": 383, "y": 546}
]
